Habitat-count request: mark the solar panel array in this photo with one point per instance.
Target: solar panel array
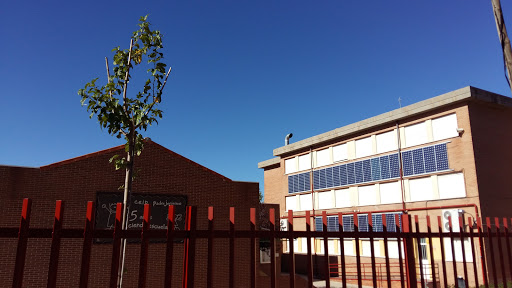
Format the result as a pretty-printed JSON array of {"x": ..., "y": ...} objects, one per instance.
[
  {"x": 418, "y": 161},
  {"x": 348, "y": 223}
]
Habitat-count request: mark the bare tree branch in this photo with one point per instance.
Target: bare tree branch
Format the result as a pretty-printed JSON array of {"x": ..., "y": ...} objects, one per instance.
[{"x": 165, "y": 81}]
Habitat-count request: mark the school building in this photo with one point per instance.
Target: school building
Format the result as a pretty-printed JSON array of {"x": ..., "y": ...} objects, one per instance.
[{"x": 449, "y": 155}]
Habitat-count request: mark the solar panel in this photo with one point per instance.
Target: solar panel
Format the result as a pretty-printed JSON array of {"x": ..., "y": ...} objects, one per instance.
[
  {"x": 348, "y": 223},
  {"x": 430, "y": 159},
  {"x": 336, "y": 181},
  {"x": 316, "y": 180},
  {"x": 377, "y": 222},
  {"x": 307, "y": 182},
  {"x": 359, "y": 171},
  {"x": 343, "y": 175},
  {"x": 328, "y": 177},
  {"x": 367, "y": 170},
  {"x": 332, "y": 223},
  {"x": 318, "y": 224},
  {"x": 394, "y": 166},
  {"x": 363, "y": 223},
  {"x": 418, "y": 162},
  {"x": 375, "y": 169},
  {"x": 351, "y": 177},
  {"x": 322, "y": 178},
  {"x": 384, "y": 167},
  {"x": 441, "y": 157},
  {"x": 290, "y": 185},
  {"x": 407, "y": 160}
]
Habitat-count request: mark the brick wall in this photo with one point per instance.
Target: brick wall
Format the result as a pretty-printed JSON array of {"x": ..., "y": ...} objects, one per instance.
[{"x": 76, "y": 181}]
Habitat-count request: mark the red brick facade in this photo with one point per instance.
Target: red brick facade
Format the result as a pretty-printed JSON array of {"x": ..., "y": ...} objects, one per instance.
[{"x": 76, "y": 181}]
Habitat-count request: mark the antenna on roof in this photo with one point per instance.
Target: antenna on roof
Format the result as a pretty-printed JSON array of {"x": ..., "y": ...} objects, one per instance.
[{"x": 400, "y": 102}]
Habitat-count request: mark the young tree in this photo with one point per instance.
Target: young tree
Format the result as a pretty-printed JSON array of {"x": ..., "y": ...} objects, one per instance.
[
  {"x": 125, "y": 116},
  {"x": 504, "y": 40}
]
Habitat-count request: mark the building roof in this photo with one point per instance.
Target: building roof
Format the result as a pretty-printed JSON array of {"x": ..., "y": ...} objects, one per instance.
[
  {"x": 464, "y": 94},
  {"x": 121, "y": 148}
]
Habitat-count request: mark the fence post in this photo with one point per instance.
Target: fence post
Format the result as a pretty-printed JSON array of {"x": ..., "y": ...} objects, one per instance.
[
  {"x": 190, "y": 249},
  {"x": 144, "y": 241},
  {"x": 292, "y": 248},
  {"x": 114, "y": 266},
  {"x": 209, "y": 272},
  {"x": 21, "y": 251},
  {"x": 55, "y": 247},
  {"x": 253, "y": 246},
  {"x": 272, "y": 247},
  {"x": 410, "y": 265},
  {"x": 169, "y": 251},
  {"x": 86, "y": 247}
]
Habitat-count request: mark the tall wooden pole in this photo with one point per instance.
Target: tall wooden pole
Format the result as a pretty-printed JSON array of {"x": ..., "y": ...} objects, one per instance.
[{"x": 504, "y": 40}]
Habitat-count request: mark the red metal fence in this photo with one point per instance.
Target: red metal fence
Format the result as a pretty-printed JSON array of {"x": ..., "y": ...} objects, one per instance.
[{"x": 489, "y": 249}]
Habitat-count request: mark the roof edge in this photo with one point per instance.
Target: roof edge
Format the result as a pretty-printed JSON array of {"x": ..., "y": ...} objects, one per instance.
[
  {"x": 269, "y": 162},
  {"x": 459, "y": 95}
]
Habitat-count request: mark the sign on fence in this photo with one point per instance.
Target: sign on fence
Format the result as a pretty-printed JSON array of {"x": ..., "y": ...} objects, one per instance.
[{"x": 106, "y": 210}]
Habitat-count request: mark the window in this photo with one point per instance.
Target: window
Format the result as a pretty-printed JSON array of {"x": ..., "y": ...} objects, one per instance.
[
  {"x": 291, "y": 203},
  {"x": 386, "y": 142},
  {"x": 367, "y": 248},
  {"x": 364, "y": 147},
  {"x": 304, "y": 162},
  {"x": 348, "y": 246},
  {"x": 323, "y": 158},
  {"x": 393, "y": 249},
  {"x": 342, "y": 198},
  {"x": 457, "y": 243},
  {"x": 416, "y": 134},
  {"x": 445, "y": 127},
  {"x": 306, "y": 202},
  {"x": 390, "y": 193},
  {"x": 367, "y": 195},
  {"x": 421, "y": 189},
  {"x": 290, "y": 166},
  {"x": 340, "y": 152},
  {"x": 325, "y": 200},
  {"x": 451, "y": 186}
]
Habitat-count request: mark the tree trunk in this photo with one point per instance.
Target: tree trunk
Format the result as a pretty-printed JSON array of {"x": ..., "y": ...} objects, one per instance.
[
  {"x": 126, "y": 203},
  {"x": 504, "y": 40}
]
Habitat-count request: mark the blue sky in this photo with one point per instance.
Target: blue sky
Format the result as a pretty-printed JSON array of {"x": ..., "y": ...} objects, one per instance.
[{"x": 245, "y": 73}]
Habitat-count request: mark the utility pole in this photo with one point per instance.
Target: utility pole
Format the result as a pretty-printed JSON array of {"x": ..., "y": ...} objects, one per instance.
[{"x": 504, "y": 40}]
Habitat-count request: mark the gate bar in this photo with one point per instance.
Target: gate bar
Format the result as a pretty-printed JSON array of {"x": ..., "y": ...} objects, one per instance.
[
  {"x": 386, "y": 252},
  {"x": 326, "y": 251},
  {"x": 21, "y": 250},
  {"x": 400, "y": 258},
  {"x": 272, "y": 217},
  {"x": 309, "y": 259},
  {"x": 507, "y": 242},
  {"x": 500, "y": 251},
  {"x": 55, "y": 247},
  {"x": 144, "y": 241},
  {"x": 473, "y": 251},
  {"x": 253, "y": 247},
  {"x": 292, "y": 249},
  {"x": 169, "y": 250},
  {"x": 231, "y": 247},
  {"x": 372, "y": 250},
  {"x": 358, "y": 257},
  {"x": 420, "y": 253},
  {"x": 480, "y": 240},
  {"x": 114, "y": 266},
  {"x": 342, "y": 250},
  {"x": 86, "y": 247},
  {"x": 491, "y": 246},
  {"x": 431, "y": 250},
  {"x": 464, "y": 263}
]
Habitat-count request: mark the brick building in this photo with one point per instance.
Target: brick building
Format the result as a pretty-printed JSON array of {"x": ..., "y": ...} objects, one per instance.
[
  {"x": 445, "y": 156},
  {"x": 78, "y": 180}
]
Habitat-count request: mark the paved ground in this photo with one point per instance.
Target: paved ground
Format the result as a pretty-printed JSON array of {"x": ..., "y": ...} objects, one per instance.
[{"x": 334, "y": 284}]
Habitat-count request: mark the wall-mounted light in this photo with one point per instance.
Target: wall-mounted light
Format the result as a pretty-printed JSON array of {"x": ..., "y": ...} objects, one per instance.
[{"x": 460, "y": 131}]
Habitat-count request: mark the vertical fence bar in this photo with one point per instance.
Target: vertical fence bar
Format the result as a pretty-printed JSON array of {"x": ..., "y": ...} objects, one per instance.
[
  {"x": 169, "y": 249},
  {"x": 253, "y": 246},
  {"x": 209, "y": 271},
  {"x": 473, "y": 251},
  {"x": 114, "y": 266},
  {"x": 386, "y": 250},
  {"x": 507, "y": 242},
  {"x": 190, "y": 248},
  {"x": 326, "y": 251},
  {"x": 144, "y": 241},
  {"x": 454, "y": 262},
  {"x": 443, "y": 259},
  {"x": 400, "y": 258},
  {"x": 372, "y": 250},
  {"x": 420, "y": 253},
  {"x": 431, "y": 250},
  {"x": 292, "y": 249},
  {"x": 342, "y": 250},
  {"x": 409, "y": 252},
  {"x": 464, "y": 262},
  {"x": 491, "y": 251},
  {"x": 21, "y": 250},
  {"x": 231, "y": 247},
  {"x": 358, "y": 256},
  {"x": 272, "y": 247},
  {"x": 309, "y": 255},
  {"x": 86, "y": 247},
  {"x": 500, "y": 251},
  {"x": 55, "y": 247},
  {"x": 482, "y": 255}
]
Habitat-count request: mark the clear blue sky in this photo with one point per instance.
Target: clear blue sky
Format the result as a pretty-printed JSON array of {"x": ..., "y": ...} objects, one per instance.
[{"x": 245, "y": 73}]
